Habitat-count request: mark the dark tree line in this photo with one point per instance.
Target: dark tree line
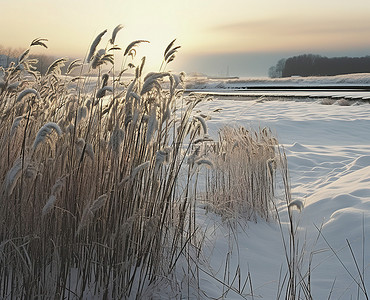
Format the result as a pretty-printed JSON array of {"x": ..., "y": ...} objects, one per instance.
[
  {"x": 277, "y": 71},
  {"x": 316, "y": 65}
]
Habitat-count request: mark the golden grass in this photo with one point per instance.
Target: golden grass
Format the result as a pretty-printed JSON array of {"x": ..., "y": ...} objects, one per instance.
[
  {"x": 92, "y": 203},
  {"x": 241, "y": 184}
]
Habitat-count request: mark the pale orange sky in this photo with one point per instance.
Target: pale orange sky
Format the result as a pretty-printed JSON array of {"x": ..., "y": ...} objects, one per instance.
[{"x": 204, "y": 28}]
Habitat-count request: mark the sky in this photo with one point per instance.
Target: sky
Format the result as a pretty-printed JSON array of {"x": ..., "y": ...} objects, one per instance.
[{"x": 234, "y": 37}]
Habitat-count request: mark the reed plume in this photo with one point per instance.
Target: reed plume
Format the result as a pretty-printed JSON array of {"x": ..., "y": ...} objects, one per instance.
[
  {"x": 73, "y": 65},
  {"x": 89, "y": 210},
  {"x": 27, "y": 92},
  {"x": 44, "y": 132},
  {"x": 14, "y": 174},
  {"x": 15, "y": 125},
  {"x": 94, "y": 45},
  {"x": 132, "y": 45},
  {"x": 55, "y": 67},
  {"x": 114, "y": 33},
  {"x": 39, "y": 42}
]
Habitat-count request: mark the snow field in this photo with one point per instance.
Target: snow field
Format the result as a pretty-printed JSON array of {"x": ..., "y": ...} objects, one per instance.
[{"x": 328, "y": 151}]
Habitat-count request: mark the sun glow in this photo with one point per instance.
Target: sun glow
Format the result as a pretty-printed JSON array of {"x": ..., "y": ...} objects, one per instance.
[{"x": 201, "y": 27}]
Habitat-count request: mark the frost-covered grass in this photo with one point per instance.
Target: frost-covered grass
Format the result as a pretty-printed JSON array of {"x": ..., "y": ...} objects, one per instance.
[
  {"x": 118, "y": 187},
  {"x": 241, "y": 184},
  {"x": 90, "y": 200},
  {"x": 99, "y": 178}
]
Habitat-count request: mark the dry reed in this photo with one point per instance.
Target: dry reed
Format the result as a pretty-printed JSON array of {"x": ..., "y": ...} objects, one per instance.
[
  {"x": 241, "y": 183},
  {"x": 98, "y": 188},
  {"x": 66, "y": 141}
]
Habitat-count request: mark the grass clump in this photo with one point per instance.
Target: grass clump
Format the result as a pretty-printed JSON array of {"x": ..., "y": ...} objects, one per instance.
[
  {"x": 241, "y": 184},
  {"x": 99, "y": 176},
  {"x": 90, "y": 200}
]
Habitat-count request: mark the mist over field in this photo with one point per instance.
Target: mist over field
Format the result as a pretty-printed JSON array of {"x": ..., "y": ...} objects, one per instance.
[{"x": 250, "y": 64}]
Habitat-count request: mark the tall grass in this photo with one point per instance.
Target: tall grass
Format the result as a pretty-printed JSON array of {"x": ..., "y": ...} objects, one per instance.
[
  {"x": 90, "y": 200},
  {"x": 241, "y": 184},
  {"x": 99, "y": 175}
]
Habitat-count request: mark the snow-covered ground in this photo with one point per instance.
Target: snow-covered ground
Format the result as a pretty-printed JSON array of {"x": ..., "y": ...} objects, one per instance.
[
  {"x": 348, "y": 79},
  {"x": 328, "y": 150},
  {"x": 251, "y": 87}
]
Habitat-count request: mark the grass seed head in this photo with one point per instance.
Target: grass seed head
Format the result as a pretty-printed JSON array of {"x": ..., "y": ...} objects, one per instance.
[
  {"x": 114, "y": 33},
  {"x": 14, "y": 174},
  {"x": 101, "y": 92},
  {"x": 81, "y": 114},
  {"x": 15, "y": 125},
  {"x": 73, "y": 65},
  {"x": 98, "y": 203},
  {"x": 132, "y": 45},
  {"x": 298, "y": 204},
  {"x": 94, "y": 45},
  {"x": 203, "y": 123},
  {"x": 89, "y": 210},
  {"x": 139, "y": 168},
  {"x": 97, "y": 61},
  {"x": 152, "y": 125},
  {"x": 49, "y": 205},
  {"x": 205, "y": 162},
  {"x": 26, "y": 92},
  {"x": 116, "y": 140},
  {"x": 55, "y": 67},
  {"x": 44, "y": 132}
]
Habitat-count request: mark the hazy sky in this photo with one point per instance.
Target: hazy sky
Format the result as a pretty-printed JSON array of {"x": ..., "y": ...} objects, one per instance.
[{"x": 243, "y": 36}]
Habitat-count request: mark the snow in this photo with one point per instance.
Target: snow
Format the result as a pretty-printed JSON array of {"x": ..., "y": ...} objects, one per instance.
[
  {"x": 348, "y": 79},
  {"x": 340, "y": 86},
  {"x": 328, "y": 151}
]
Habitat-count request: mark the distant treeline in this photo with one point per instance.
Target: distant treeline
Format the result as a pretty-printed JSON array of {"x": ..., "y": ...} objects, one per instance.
[{"x": 316, "y": 65}]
